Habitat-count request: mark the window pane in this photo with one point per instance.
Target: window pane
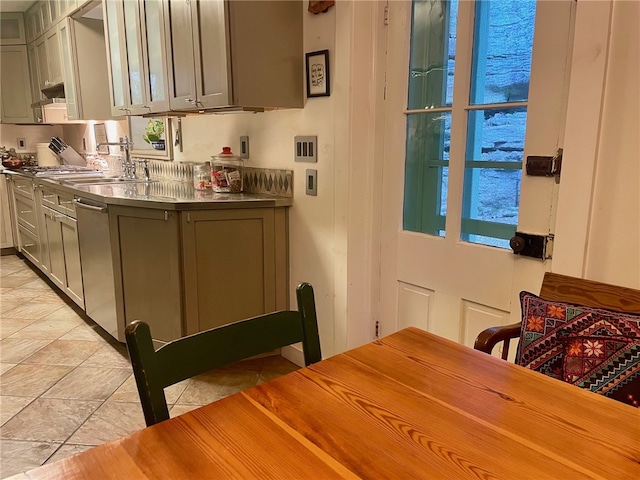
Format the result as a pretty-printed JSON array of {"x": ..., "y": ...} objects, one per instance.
[
  {"x": 433, "y": 27},
  {"x": 502, "y": 51},
  {"x": 426, "y": 172},
  {"x": 495, "y": 146}
]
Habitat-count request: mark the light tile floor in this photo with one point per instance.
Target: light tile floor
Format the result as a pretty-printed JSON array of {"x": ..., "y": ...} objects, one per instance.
[{"x": 66, "y": 386}]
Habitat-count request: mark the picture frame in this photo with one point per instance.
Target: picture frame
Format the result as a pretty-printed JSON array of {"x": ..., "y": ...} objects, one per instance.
[
  {"x": 138, "y": 129},
  {"x": 318, "y": 78},
  {"x": 100, "y": 135}
]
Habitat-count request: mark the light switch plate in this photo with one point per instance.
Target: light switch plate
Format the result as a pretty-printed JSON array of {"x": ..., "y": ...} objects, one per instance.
[
  {"x": 244, "y": 146},
  {"x": 22, "y": 143},
  {"x": 312, "y": 182},
  {"x": 305, "y": 148}
]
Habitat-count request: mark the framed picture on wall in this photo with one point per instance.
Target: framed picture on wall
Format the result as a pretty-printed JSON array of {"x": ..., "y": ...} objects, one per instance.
[
  {"x": 318, "y": 81},
  {"x": 151, "y": 137}
]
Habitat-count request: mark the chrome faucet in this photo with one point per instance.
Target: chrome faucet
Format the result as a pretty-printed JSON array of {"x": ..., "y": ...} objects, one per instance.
[{"x": 128, "y": 166}]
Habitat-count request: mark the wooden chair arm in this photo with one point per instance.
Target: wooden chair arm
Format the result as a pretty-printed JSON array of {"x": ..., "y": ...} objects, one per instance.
[{"x": 487, "y": 339}]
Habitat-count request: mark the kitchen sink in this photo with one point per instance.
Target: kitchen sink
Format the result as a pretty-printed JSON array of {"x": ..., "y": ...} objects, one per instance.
[{"x": 104, "y": 181}]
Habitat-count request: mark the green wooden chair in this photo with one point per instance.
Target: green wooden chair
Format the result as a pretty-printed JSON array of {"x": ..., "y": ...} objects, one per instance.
[{"x": 215, "y": 348}]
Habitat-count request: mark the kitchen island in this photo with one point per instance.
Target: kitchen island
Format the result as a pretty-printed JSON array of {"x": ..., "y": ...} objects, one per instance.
[{"x": 179, "y": 259}]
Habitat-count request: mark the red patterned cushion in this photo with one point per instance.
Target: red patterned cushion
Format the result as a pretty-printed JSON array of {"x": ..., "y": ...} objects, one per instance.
[
  {"x": 546, "y": 324},
  {"x": 606, "y": 364}
]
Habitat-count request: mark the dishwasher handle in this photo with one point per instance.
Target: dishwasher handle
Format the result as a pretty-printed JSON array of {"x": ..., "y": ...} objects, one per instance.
[{"x": 78, "y": 203}]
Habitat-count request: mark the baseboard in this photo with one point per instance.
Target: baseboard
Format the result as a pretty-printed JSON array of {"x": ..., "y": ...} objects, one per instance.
[
  {"x": 294, "y": 353},
  {"x": 8, "y": 251}
]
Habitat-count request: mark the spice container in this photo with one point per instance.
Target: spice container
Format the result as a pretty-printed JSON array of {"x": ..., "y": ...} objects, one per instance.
[
  {"x": 226, "y": 172},
  {"x": 202, "y": 176}
]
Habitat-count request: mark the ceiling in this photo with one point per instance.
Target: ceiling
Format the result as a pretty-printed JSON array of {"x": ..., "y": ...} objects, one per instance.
[{"x": 15, "y": 5}]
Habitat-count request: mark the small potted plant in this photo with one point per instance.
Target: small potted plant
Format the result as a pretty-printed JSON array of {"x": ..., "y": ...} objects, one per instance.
[{"x": 153, "y": 133}]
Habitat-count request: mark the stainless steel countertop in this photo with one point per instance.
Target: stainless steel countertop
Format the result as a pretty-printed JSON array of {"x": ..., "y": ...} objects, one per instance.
[{"x": 163, "y": 195}]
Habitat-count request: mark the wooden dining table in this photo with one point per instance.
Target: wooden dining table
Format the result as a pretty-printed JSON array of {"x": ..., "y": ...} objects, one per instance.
[{"x": 410, "y": 405}]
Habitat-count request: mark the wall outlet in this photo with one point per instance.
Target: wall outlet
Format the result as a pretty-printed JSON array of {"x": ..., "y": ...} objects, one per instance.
[
  {"x": 244, "y": 146},
  {"x": 22, "y": 144},
  {"x": 306, "y": 149}
]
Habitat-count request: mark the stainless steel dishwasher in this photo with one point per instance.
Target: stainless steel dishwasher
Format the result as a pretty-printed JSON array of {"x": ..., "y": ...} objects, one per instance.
[{"x": 96, "y": 261}]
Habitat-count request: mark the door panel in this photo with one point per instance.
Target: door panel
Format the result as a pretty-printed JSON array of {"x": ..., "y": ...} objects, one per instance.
[{"x": 471, "y": 286}]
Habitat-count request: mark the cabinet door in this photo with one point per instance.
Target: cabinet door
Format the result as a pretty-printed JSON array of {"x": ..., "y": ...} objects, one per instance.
[
  {"x": 53, "y": 236},
  {"x": 15, "y": 89},
  {"x": 73, "y": 273},
  {"x": 12, "y": 29},
  {"x": 65, "y": 32},
  {"x": 179, "y": 35},
  {"x": 52, "y": 39},
  {"x": 116, "y": 56},
  {"x": 211, "y": 51},
  {"x": 147, "y": 270},
  {"x": 6, "y": 228},
  {"x": 152, "y": 16},
  {"x": 36, "y": 94},
  {"x": 133, "y": 44},
  {"x": 42, "y": 63},
  {"x": 229, "y": 266}
]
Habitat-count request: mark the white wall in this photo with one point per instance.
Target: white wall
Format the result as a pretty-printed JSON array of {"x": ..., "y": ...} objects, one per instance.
[
  {"x": 32, "y": 134},
  {"x": 598, "y": 233}
]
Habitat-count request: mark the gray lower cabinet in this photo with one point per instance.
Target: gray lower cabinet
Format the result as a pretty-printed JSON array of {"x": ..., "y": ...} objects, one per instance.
[
  {"x": 184, "y": 272},
  {"x": 24, "y": 210},
  {"x": 59, "y": 233}
]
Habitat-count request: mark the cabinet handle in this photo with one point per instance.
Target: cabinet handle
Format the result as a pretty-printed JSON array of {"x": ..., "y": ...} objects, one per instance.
[
  {"x": 22, "y": 212},
  {"x": 29, "y": 245},
  {"x": 48, "y": 196},
  {"x": 66, "y": 202},
  {"x": 146, "y": 106},
  {"x": 166, "y": 216}
]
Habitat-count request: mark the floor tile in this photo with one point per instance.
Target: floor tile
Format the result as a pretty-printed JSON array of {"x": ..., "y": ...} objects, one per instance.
[
  {"x": 128, "y": 392},
  {"x": 18, "y": 456},
  {"x": 7, "y": 306},
  {"x": 9, "y": 406},
  {"x": 65, "y": 312},
  {"x": 31, "y": 380},
  {"x": 67, "y": 450},
  {"x": 64, "y": 352},
  {"x": 15, "y": 350},
  {"x": 37, "y": 283},
  {"x": 9, "y": 326},
  {"x": 274, "y": 367},
  {"x": 31, "y": 310},
  {"x": 48, "y": 420},
  {"x": 178, "y": 410},
  {"x": 85, "y": 332},
  {"x": 112, "y": 420},
  {"x": 217, "y": 384},
  {"x": 112, "y": 355},
  {"x": 15, "y": 281},
  {"x": 24, "y": 294},
  {"x": 6, "y": 367},
  {"x": 88, "y": 383},
  {"x": 47, "y": 327}
]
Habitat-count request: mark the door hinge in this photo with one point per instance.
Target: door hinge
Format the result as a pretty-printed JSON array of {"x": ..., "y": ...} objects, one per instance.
[
  {"x": 386, "y": 15},
  {"x": 377, "y": 333}
]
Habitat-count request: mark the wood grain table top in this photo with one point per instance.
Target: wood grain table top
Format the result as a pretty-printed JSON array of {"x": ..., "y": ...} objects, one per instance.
[{"x": 410, "y": 405}]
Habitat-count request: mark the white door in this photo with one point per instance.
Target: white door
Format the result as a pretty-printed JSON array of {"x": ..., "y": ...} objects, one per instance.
[{"x": 457, "y": 110}]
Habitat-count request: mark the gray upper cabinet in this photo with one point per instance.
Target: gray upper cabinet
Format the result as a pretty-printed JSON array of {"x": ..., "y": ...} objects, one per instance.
[
  {"x": 224, "y": 54},
  {"x": 137, "y": 63},
  {"x": 179, "y": 55}
]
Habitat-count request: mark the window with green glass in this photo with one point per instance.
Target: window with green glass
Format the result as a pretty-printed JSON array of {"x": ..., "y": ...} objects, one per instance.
[{"x": 496, "y": 112}]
